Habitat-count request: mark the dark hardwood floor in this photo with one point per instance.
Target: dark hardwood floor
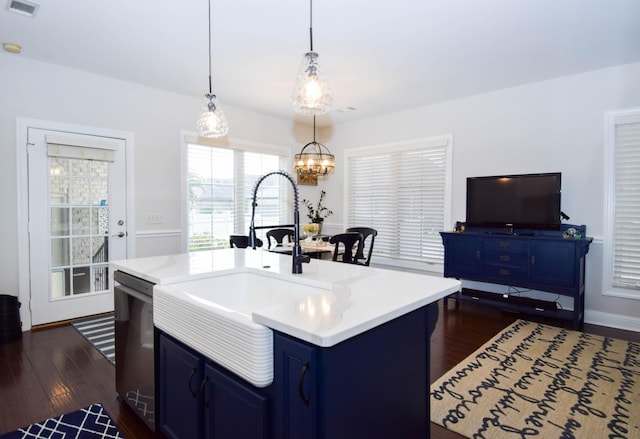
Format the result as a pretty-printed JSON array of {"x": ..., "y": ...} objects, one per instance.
[{"x": 55, "y": 370}]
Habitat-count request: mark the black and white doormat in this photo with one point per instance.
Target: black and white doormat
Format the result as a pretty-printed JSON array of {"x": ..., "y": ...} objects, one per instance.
[{"x": 100, "y": 332}]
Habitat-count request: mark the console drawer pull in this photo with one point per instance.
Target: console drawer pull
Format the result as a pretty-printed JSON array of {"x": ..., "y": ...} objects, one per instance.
[
  {"x": 504, "y": 272},
  {"x": 504, "y": 258}
]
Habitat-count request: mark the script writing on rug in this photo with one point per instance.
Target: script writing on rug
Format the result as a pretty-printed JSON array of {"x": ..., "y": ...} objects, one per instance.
[{"x": 538, "y": 380}]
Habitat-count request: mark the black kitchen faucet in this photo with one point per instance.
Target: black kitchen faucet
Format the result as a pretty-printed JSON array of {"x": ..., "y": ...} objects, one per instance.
[{"x": 298, "y": 257}]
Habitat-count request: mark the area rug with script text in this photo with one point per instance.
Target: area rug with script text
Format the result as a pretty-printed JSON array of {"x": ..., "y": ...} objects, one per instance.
[
  {"x": 87, "y": 423},
  {"x": 537, "y": 380}
]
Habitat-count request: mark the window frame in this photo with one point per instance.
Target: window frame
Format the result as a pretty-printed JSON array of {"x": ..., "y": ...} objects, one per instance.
[
  {"x": 397, "y": 147},
  {"x": 189, "y": 137},
  {"x": 612, "y": 120}
]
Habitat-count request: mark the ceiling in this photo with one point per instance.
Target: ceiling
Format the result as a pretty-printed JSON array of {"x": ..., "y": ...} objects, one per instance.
[{"x": 379, "y": 56}]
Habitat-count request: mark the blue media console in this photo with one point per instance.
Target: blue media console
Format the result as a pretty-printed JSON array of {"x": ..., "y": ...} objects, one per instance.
[{"x": 541, "y": 260}]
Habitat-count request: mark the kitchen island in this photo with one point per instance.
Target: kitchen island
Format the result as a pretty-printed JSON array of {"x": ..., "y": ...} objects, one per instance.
[{"x": 244, "y": 348}]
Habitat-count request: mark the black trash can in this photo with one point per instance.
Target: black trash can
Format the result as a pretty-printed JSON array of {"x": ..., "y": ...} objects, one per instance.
[{"x": 10, "y": 324}]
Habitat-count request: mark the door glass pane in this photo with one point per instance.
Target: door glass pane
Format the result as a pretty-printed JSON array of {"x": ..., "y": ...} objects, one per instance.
[
  {"x": 81, "y": 280},
  {"x": 100, "y": 277},
  {"x": 79, "y": 190},
  {"x": 80, "y": 222},
  {"x": 100, "y": 220},
  {"x": 59, "y": 190},
  {"x": 59, "y": 252},
  {"x": 81, "y": 251},
  {"x": 79, "y": 226},
  {"x": 59, "y": 221},
  {"x": 59, "y": 283}
]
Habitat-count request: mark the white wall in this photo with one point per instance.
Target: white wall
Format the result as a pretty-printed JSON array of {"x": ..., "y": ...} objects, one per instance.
[
  {"x": 555, "y": 125},
  {"x": 43, "y": 91}
]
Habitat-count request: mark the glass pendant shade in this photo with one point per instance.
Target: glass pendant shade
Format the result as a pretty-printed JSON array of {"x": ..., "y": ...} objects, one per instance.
[
  {"x": 311, "y": 94},
  {"x": 314, "y": 159},
  {"x": 212, "y": 121}
]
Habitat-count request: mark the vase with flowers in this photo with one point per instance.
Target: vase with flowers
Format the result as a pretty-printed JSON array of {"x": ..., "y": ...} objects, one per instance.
[{"x": 317, "y": 213}]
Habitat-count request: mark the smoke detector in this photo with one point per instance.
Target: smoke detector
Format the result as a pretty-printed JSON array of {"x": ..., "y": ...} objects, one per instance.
[
  {"x": 12, "y": 47},
  {"x": 23, "y": 7}
]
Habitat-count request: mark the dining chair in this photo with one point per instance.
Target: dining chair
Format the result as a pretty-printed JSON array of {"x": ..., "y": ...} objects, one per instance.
[
  {"x": 242, "y": 241},
  {"x": 366, "y": 243},
  {"x": 350, "y": 242},
  {"x": 276, "y": 236}
]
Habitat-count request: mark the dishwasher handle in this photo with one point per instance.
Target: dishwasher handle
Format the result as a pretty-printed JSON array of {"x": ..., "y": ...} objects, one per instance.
[{"x": 134, "y": 293}]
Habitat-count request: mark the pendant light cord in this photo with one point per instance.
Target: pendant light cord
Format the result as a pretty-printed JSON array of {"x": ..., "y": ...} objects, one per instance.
[
  {"x": 209, "y": 16},
  {"x": 314, "y": 129},
  {"x": 311, "y": 24}
]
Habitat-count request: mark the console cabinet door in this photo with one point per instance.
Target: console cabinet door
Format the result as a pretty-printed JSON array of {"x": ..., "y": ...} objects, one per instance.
[
  {"x": 553, "y": 263},
  {"x": 232, "y": 409},
  {"x": 463, "y": 255},
  {"x": 180, "y": 377},
  {"x": 296, "y": 404}
]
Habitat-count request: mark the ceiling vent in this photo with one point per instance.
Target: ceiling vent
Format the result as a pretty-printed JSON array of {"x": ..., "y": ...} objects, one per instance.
[{"x": 23, "y": 7}]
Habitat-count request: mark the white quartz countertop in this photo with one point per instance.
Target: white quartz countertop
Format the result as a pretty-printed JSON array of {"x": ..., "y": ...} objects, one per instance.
[{"x": 340, "y": 300}]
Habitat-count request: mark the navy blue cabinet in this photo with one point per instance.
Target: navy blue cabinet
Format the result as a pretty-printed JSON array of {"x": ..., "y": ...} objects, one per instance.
[
  {"x": 374, "y": 385},
  {"x": 198, "y": 399},
  {"x": 296, "y": 371},
  {"x": 463, "y": 255},
  {"x": 233, "y": 409},
  {"x": 538, "y": 260},
  {"x": 179, "y": 406}
]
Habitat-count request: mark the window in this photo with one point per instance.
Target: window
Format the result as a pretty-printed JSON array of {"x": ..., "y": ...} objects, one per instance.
[
  {"x": 402, "y": 191},
  {"x": 219, "y": 190},
  {"x": 621, "y": 251}
]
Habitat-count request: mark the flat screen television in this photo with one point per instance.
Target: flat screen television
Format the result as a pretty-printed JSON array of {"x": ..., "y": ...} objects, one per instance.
[{"x": 526, "y": 201}]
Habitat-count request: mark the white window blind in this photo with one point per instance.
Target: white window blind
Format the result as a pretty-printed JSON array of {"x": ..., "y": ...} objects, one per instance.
[
  {"x": 402, "y": 192},
  {"x": 626, "y": 233},
  {"x": 81, "y": 147},
  {"x": 219, "y": 191}
]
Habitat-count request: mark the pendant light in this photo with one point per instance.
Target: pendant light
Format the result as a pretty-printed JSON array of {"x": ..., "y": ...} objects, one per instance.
[
  {"x": 211, "y": 122},
  {"x": 314, "y": 158},
  {"x": 311, "y": 94}
]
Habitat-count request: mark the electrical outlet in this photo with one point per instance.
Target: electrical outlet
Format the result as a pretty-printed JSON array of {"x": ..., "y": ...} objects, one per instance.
[{"x": 154, "y": 218}]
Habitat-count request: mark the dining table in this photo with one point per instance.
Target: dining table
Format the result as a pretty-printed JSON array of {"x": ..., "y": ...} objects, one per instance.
[{"x": 315, "y": 249}]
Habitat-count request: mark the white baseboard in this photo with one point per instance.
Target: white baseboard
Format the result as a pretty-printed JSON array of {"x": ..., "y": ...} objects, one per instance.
[{"x": 612, "y": 320}]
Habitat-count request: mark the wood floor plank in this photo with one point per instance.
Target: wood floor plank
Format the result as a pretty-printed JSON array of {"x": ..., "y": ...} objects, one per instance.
[{"x": 55, "y": 370}]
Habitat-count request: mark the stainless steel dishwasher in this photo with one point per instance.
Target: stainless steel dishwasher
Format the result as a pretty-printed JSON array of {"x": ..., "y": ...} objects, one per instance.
[{"x": 133, "y": 305}]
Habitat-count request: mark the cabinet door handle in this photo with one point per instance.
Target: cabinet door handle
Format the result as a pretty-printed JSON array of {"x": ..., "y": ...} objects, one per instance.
[
  {"x": 202, "y": 391},
  {"x": 533, "y": 260},
  {"x": 477, "y": 255},
  {"x": 303, "y": 372},
  {"x": 193, "y": 373}
]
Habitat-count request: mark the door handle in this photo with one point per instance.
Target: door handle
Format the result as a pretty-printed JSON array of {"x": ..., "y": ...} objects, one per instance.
[{"x": 120, "y": 235}]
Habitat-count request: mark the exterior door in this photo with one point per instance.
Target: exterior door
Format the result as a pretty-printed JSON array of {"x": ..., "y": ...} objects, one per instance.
[{"x": 77, "y": 212}]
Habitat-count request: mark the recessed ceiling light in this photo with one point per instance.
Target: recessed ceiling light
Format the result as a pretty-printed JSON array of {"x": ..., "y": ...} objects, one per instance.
[
  {"x": 12, "y": 47},
  {"x": 23, "y": 7}
]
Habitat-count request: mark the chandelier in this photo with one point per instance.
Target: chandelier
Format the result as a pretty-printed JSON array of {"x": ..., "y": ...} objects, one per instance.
[{"x": 314, "y": 158}]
